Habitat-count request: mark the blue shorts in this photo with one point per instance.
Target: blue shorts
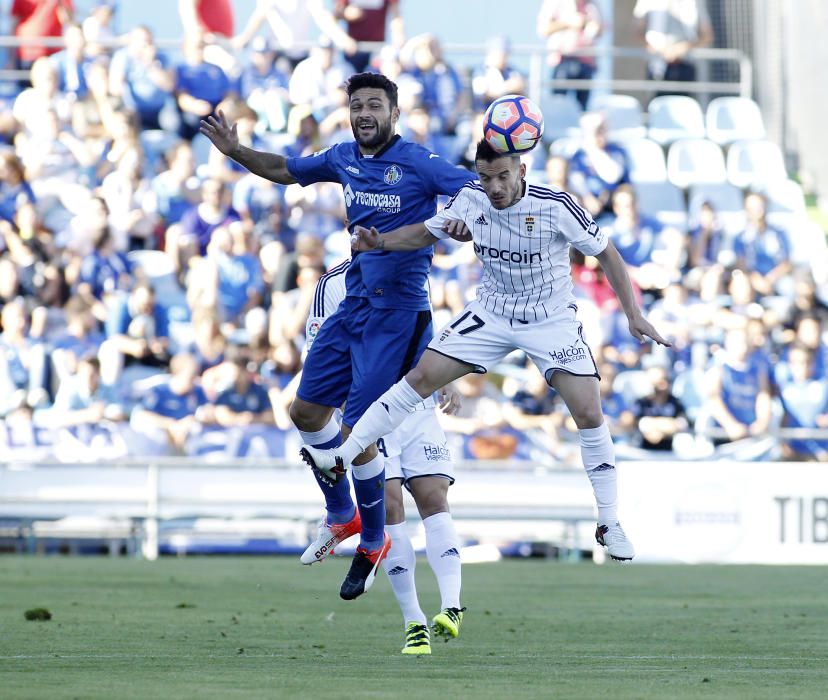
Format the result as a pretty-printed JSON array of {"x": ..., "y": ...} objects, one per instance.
[{"x": 359, "y": 353}]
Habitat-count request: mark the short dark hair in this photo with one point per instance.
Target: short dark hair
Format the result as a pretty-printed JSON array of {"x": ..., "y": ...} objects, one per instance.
[
  {"x": 372, "y": 80},
  {"x": 488, "y": 154}
]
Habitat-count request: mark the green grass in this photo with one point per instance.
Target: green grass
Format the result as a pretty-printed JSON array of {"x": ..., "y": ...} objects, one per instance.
[{"x": 264, "y": 627}]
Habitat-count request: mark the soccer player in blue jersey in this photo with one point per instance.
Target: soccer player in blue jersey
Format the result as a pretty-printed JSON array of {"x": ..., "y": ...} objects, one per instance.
[{"x": 384, "y": 324}]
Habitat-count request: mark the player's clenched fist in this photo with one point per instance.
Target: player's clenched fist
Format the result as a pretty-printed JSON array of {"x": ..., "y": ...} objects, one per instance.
[{"x": 363, "y": 239}]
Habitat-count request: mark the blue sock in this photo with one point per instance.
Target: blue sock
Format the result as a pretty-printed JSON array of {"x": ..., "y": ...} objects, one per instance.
[
  {"x": 338, "y": 501},
  {"x": 369, "y": 486}
]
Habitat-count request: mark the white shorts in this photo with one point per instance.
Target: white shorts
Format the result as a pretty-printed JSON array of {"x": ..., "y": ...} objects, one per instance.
[
  {"x": 417, "y": 448},
  {"x": 482, "y": 339}
]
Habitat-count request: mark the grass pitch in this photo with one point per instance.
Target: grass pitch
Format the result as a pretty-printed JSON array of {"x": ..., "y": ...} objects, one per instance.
[{"x": 270, "y": 628}]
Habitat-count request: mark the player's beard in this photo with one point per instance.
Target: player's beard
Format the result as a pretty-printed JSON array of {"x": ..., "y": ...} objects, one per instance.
[{"x": 382, "y": 135}]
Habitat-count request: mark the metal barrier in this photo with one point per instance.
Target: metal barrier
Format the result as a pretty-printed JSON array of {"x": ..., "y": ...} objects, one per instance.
[{"x": 538, "y": 81}]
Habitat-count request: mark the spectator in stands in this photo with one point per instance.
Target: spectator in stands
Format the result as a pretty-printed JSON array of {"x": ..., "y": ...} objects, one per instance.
[
  {"x": 739, "y": 389},
  {"x": 598, "y": 167},
  {"x": 127, "y": 192},
  {"x": 137, "y": 333},
  {"x": 442, "y": 92},
  {"x": 670, "y": 29},
  {"x": 762, "y": 250},
  {"x": 260, "y": 204},
  {"x": 318, "y": 209},
  {"x": 245, "y": 401},
  {"x": 176, "y": 189},
  {"x": 192, "y": 234},
  {"x": 496, "y": 77},
  {"x": 533, "y": 406},
  {"x": 304, "y": 128},
  {"x": 264, "y": 84},
  {"x": 617, "y": 413},
  {"x": 104, "y": 270},
  {"x": 38, "y": 18},
  {"x": 199, "y": 86},
  {"x": 167, "y": 411},
  {"x": 315, "y": 79},
  {"x": 292, "y": 24},
  {"x": 207, "y": 17},
  {"x": 80, "y": 338},
  {"x": 141, "y": 76},
  {"x": 23, "y": 370},
  {"x": 72, "y": 62},
  {"x": 652, "y": 251},
  {"x": 366, "y": 21},
  {"x": 290, "y": 309},
  {"x": 14, "y": 188},
  {"x": 81, "y": 399},
  {"x": 236, "y": 271},
  {"x": 209, "y": 342},
  {"x": 659, "y": 415},
  {"x": 804, "y": 395},
  {"x": 704, "y": 240},
  {"x": 33, "y": 104},
  {"x": 309, "y": 252},
  {"x": 97, "y": 28},
  {"x": 570, "y": 25},
  {"x": 237, "y": 112},
  {"x": 557, "y": 173},
  {"x": 807, "y": 332}
]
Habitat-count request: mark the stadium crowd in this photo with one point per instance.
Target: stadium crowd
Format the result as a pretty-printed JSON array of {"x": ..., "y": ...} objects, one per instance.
[{"x": 153, "y": 294}]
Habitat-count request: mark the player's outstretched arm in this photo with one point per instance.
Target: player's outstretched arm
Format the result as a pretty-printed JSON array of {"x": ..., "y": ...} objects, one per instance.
[
  {"x": 616, "y": 271},
  {"x": 270, "y": 166},
  {"x": 404, "y": 238}
]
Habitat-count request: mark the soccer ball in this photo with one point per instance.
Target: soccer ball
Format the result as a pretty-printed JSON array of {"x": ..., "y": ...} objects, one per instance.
[{"x": 513, "y": 124}]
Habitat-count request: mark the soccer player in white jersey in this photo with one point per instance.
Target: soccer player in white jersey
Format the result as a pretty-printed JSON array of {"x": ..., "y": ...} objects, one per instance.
[
  {"x": 522, "y": 234},
  {"x": 416, "y": 457}
]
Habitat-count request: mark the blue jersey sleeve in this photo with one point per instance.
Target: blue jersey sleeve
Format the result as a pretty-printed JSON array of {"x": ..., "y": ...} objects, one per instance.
[
  {"x": 444, "y": 177},
  {"x": 320, "y": 167}
]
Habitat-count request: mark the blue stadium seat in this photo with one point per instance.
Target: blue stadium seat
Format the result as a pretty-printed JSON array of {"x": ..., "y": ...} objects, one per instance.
[{"x": 664, "y": 202}]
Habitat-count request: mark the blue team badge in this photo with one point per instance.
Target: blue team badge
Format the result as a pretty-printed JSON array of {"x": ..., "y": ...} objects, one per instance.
[{"x": 392, "y": 175}]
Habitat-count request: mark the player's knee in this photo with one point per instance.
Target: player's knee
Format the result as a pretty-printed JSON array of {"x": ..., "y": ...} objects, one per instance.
[
  {"x": 307, "y": 416},
  {"x": 587, "y": 417}
]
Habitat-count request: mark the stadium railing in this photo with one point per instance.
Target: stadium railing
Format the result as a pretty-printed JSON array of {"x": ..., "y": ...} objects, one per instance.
[{"x": 538, "y": 81}]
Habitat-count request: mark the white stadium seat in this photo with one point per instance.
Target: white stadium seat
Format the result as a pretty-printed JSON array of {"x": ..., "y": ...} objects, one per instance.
[
  {"x": 565, "y": 146},
  {"x": 727, "y": 200},
  {"x": 624, "y": 116},
  {"x": 730, "y": 119},
  {"x": 561, "y": 117},
  {"x": 694, "y": 161},
  {"x": 663, "y": 202},
  {"x": 755, "y": 163},
  {"x": 784, "y": 196},
  {"x": 673, "y": 117},
  {"x": 647, "y": 162}
]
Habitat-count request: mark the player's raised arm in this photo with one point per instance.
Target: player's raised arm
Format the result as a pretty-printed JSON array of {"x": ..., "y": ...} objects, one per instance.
[
  {"x": 270, "y": 166},
  {"x": 616, "y": 272},
  {"x": 410, "y": 237}
]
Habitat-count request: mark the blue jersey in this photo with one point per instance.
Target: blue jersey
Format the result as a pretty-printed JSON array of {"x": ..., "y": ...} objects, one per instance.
[
  {"x": 740, "y": 389},
  {"x": 396, "y": 187}
]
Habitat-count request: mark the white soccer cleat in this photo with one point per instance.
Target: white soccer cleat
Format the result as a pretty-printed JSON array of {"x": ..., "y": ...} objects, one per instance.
[
  {"x": 615, "y": 540},
  {"x": 328, "y": 537},
  {"x": 327, "y": 463}
]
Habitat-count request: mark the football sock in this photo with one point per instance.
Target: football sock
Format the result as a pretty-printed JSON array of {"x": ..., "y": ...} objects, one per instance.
[
  {"x": 400, "y": 565},
  {"x": 599, "y": 461},
  {"x": 369, "y": 486},
  {"x": 382, "y": 416},
  {"x": 443, "y": 552},
  {"x": 338, "y": 500}
]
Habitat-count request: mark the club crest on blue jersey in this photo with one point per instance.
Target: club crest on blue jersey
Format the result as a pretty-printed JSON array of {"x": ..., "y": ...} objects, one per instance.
[{"x": 392, "y": 175}]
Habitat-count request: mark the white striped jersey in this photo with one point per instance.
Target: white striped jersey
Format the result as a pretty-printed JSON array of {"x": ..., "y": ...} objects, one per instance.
[
  {"x": 524, "y": 248},
  {"x": 330, "y": 291}
]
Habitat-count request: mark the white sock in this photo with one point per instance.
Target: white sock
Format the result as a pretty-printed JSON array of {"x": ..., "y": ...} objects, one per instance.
[
  {"x": 328, "y": 433},
  {"x": 443, "y": 552},
  {"x": 599, "y": 461},
  {"x": 400, "y": 565},
  {"x": 382, "y": 416},
  {"x": 368, "y": 470}
]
